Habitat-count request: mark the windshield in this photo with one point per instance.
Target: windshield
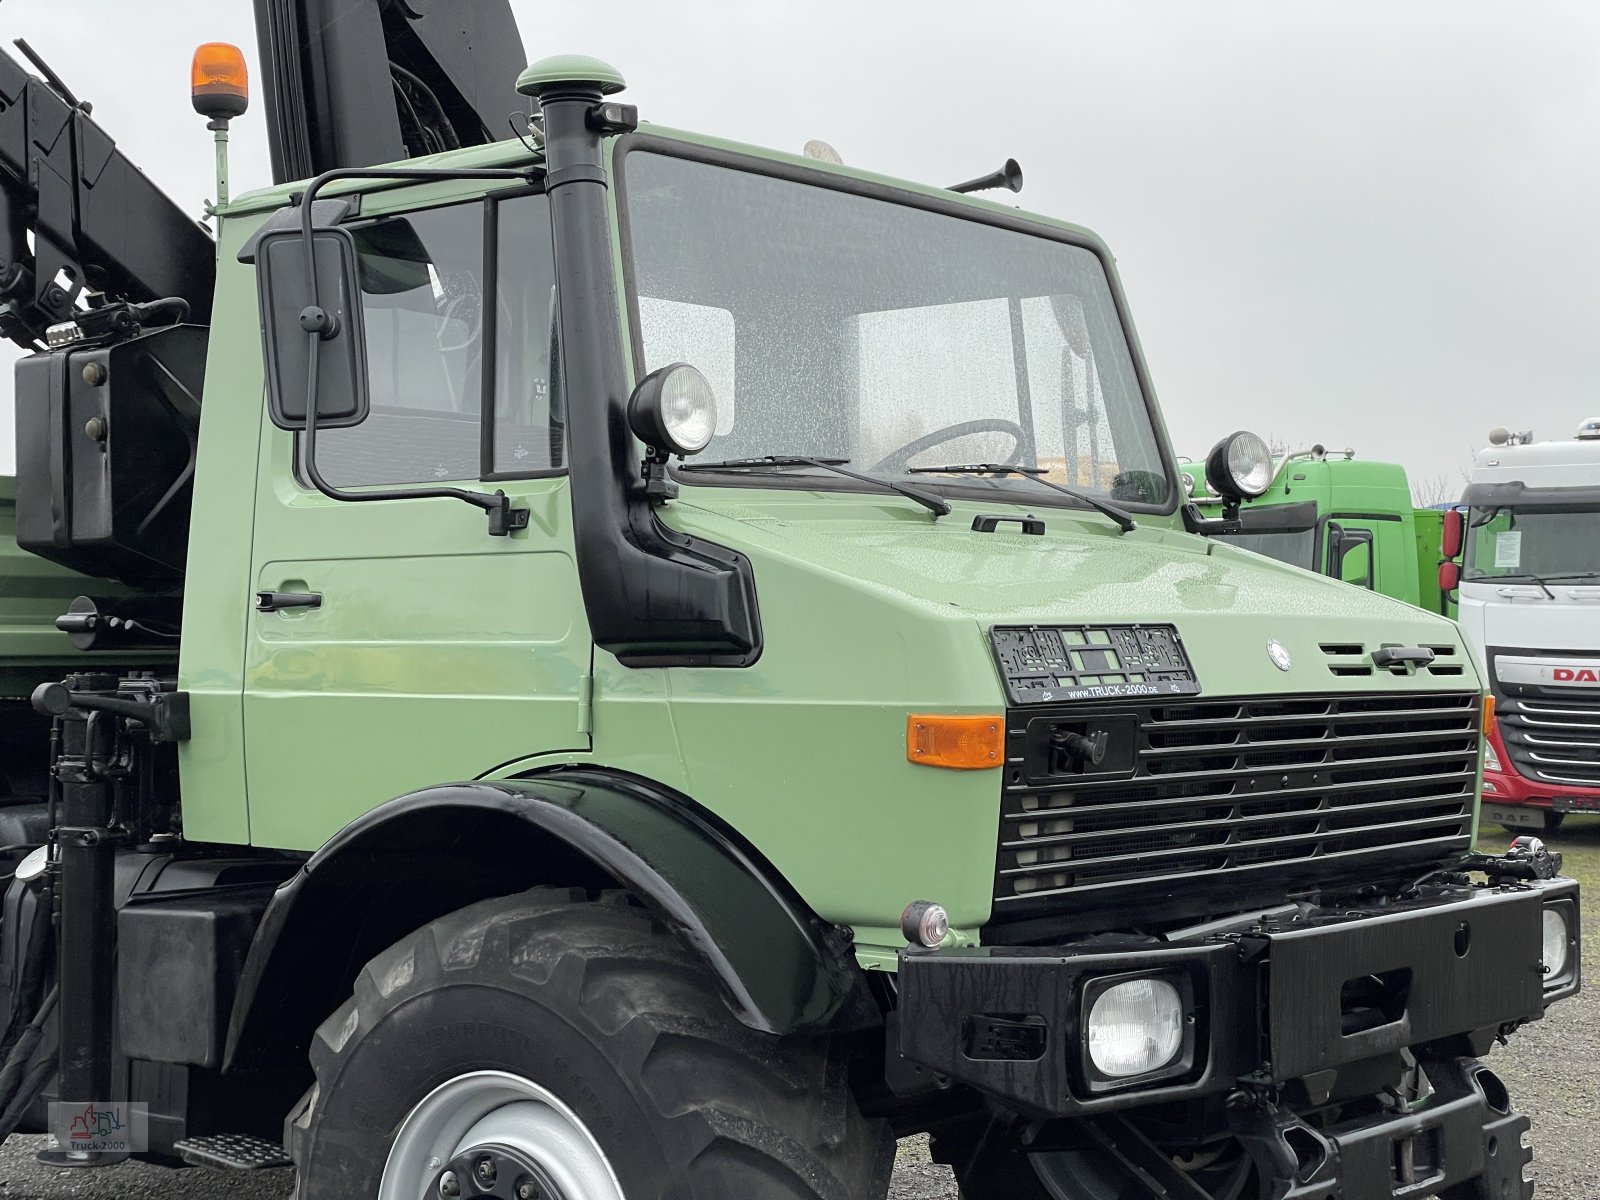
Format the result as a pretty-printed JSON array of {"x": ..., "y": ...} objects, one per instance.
[
  {"x": 1298, "y": 549},
  {"x": 1556, "y": 544},
  {"x": 833, "y": 325}
]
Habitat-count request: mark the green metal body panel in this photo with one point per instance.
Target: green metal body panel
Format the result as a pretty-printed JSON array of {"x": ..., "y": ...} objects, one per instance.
[
  {"x": 33, "y": 593},
  {"x": 1429, "y": 530},
  {"x": 1357, "y": 494},
  {"x": 441, "y": 653}
]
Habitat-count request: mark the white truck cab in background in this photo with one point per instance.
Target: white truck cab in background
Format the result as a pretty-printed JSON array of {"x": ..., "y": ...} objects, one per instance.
[{"x": 1530, "y": 610}]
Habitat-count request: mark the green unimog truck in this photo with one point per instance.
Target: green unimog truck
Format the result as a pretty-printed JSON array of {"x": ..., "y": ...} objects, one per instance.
[{"x": 644, "y": 667}]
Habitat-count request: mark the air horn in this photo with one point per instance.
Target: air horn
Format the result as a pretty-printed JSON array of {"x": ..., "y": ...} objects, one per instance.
[{"x": 1008, "y": 177}]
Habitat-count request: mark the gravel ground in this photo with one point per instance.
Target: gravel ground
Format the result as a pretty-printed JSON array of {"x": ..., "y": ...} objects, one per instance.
[{"x": 1551, "y": 1067}]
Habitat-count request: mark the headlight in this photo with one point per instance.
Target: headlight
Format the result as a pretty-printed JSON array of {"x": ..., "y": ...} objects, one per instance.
[
  {"x": 673, "y": 410},
  {"x": 1135, "y": 1027},
  {"x": 1239, "y": 467},
  {"x": 1491, "y": 760},
  {"x": 1557, "y": 943}
]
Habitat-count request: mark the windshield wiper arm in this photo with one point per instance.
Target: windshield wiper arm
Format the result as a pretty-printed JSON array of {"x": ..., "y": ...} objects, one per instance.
[
  {"x": 1543, "y": 586},
  {"x": 932, "y": 503},
  {"x": 1124, "y": 520}
]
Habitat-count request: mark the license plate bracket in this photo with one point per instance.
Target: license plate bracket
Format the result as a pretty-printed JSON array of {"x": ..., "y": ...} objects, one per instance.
[{"x": 1514, "y": 814}]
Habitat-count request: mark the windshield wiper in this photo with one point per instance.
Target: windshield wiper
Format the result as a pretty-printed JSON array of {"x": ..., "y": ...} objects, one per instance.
[
  {"x": 1568, "y": 576},
  {"x": 1543, "y": 586},
  {"x": 767, "y": 462},
  {"x": 1124, "y": 520}
]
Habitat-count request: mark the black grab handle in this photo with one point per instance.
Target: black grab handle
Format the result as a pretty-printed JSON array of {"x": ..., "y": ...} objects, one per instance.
[{"x": 989, "y": 522}]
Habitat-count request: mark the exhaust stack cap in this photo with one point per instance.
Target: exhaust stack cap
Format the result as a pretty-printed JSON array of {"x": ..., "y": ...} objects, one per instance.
[{"x": 568, "y": 69}]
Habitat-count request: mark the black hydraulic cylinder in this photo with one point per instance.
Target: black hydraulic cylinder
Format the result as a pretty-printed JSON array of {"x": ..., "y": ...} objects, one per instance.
[{"x": 87, "y": 928}]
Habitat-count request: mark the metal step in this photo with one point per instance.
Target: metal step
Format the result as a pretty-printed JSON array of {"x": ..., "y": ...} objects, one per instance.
[{"x": 231, "y": 1152}]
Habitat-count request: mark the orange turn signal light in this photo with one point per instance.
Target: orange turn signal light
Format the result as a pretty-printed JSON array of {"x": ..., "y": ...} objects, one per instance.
[
  {"x": 964, "y": 743},
  {"x": 219, "y": 84},
  {"x": 1488, "y": 715}
]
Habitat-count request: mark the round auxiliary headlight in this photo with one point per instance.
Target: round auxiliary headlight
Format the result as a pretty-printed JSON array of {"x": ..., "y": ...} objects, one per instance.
[
  {"x": 1239, "y": 467},
  {"x": 1557, "y": 943},
  {"x": 1135, "y": 1027},
  {"x": 673, "y": 410}
]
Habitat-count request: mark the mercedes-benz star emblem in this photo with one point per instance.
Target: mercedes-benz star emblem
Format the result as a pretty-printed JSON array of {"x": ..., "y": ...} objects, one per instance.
[{"x": 1279, "y": 654}]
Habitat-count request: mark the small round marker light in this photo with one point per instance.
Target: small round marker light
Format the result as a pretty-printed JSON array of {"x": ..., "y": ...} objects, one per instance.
[
  {"x": 1239, "y": 467},
  {"x": 925, "y": 923},
  {"x": 674, "y": 411}
]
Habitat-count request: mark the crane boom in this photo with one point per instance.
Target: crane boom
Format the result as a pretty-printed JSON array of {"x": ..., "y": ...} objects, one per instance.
[{"x": 98, "y": 224}]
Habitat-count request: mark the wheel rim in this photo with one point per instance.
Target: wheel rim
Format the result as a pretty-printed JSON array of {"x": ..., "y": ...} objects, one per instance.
[{"x": 520, "y": 1128}]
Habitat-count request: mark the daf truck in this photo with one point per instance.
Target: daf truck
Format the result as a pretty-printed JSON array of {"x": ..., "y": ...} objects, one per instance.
[{"x": 1528, "y": 569}]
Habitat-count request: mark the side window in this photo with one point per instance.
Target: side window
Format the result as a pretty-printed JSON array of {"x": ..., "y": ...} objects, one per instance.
[
  {"x": 529, "y": 416},
  {"x": 422, "y": 301},
  {"x": 432, "y": 333}
]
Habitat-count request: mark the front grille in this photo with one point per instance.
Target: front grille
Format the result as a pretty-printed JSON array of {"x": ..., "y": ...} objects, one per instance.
[
  {"x": 1552, "y": 739},
  {"x": 1304, "y": 788}
]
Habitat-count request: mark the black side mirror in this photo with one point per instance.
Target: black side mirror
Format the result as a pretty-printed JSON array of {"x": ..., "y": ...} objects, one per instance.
[
  {"x": 1350, "y": 555},
  {"x": 288, "y": 316}
]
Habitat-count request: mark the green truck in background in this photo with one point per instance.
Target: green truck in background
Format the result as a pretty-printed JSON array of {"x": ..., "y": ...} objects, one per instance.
[
  {"x": 617, "y": 664},
  {"x": 1344, "y": 517}
]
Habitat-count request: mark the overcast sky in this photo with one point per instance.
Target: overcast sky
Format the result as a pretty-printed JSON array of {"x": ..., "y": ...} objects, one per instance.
[{"x": 1369, "y": 224}]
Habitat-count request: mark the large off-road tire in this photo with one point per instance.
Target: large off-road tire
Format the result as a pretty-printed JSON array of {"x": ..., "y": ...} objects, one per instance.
[{"x": 600, "y": 1042}]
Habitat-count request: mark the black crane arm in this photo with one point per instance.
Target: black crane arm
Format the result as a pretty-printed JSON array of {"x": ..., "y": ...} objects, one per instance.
[
  {"x": 100, "y": 227},
  {"x": 356, "y": 83}
]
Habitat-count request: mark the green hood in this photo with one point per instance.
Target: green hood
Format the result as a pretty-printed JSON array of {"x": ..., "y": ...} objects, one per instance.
[{"x": 1225, "y": 602}]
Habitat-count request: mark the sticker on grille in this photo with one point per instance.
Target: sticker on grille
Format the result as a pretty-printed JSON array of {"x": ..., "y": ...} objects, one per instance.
[{"x": 1231, "y": 787}]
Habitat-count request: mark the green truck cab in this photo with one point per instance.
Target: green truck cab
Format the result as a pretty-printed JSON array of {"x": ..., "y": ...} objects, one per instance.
[
  {"x": 693, "y": 663},
  {"x": 1341, "y": 516}
]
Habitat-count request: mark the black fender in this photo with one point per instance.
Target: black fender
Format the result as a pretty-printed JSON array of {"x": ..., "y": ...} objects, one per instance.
[{"x": 405, "y": 863}]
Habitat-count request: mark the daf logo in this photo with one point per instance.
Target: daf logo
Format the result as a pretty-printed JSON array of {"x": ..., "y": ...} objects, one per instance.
[{"x": 1279, "y": 654}]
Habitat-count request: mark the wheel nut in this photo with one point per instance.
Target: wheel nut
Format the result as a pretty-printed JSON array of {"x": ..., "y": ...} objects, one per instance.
[
  {"x": 527, "y": 1190},
  {"x": 449, "y": 1185},
  {"x": 486, "y": 1172}
]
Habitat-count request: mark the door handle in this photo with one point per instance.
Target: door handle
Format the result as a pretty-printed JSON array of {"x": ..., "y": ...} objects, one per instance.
[{"x": 275, "y": 601}]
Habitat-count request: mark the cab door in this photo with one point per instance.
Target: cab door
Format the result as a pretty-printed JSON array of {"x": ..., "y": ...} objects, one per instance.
[{"x": 395, "y": 644}]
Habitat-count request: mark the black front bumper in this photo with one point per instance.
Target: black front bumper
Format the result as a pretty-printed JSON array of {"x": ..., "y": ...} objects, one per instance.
[
  {"x": 1300, "y": 1008},
  {"x": 1465, "y": 1131}
]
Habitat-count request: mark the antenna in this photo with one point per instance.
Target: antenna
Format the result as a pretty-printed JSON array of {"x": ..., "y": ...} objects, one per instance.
[{"x": 55, "y": 81}]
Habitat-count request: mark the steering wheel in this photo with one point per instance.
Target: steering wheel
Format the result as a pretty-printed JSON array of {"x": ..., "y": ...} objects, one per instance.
[{"x": 896, "y": 461}]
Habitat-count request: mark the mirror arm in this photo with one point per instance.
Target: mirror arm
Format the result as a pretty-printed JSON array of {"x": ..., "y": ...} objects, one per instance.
[
  {"x": 1195, "y": 522},
  {"x": 319, "y": 325}
]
